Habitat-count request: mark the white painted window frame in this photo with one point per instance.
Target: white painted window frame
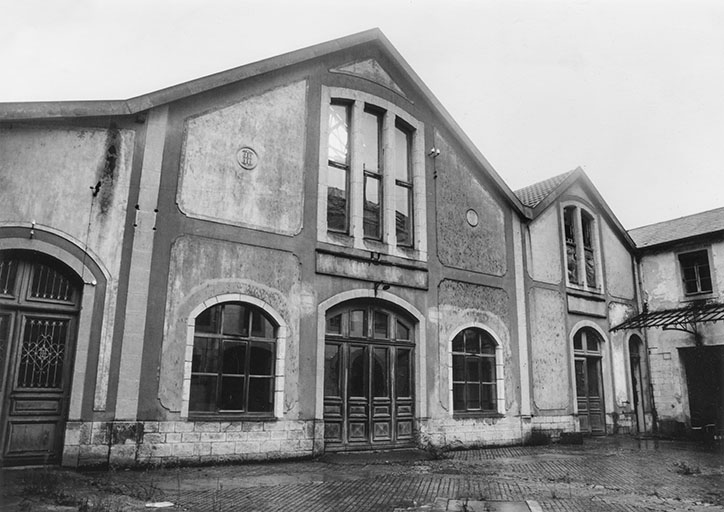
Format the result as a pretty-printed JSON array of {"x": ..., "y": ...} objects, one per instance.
[
  {"x": 499, "y": 372},
  {"x": 357, "y": 101},
  {"x": 281, "y": 344}
]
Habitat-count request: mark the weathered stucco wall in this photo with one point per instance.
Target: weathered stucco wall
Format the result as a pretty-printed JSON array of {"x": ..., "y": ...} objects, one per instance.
[
  {"x": 545, "y": 248},
  {"x": 617, "y": 313},
  {"x": 617, "y": 264},
  {"x": 659, "y": 275},
  {"x": 203, "y": 268},
  {"x": 463, "y": 304},
  {"x": 214, "y": 185},
  {"x": 46, "y": 175},
  {"x": 481, "y": 247},
  {"x": 549, "y": 350}
]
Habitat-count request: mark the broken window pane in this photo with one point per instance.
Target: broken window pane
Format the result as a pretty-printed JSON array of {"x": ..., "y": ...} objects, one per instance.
[
  {"x": 372, "y": 208},
  {"x": 336, "y": 199},
  {"x": 338, "y": 134}
]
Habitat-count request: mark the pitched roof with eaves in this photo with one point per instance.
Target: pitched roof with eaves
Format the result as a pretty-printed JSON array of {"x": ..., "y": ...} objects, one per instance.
[
  {"x": 131, "y": 106},
  {"x": 683, "y": 228},
  {"x": 532, "y": 195}
]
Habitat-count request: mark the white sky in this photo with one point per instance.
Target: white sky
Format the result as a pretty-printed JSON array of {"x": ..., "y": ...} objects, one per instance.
[{"x": 631, "y": 91}]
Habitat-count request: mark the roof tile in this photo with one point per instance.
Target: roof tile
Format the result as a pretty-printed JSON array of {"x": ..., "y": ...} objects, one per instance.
[
  {"x": 679, "y": 229},
  {"x": 532, "y": 195}
]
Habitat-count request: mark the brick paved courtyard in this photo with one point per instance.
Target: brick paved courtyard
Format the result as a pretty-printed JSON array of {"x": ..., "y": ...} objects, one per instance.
[{"x": 611, "y": 474}]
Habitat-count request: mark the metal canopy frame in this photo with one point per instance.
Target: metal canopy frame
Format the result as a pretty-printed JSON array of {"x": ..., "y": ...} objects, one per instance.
[{"x": 682, "y": 319}]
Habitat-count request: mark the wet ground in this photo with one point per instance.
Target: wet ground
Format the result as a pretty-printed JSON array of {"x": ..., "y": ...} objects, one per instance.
[{"x": 608, "y": 474}]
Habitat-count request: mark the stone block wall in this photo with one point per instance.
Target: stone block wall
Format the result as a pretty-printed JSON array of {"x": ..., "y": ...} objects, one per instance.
[
  {"x": 553, "y": 426},
  {"x": 451, "y": 433},
  {"x": 188, "y": 442}
]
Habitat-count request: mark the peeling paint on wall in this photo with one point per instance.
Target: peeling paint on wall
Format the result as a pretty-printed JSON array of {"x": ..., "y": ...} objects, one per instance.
[
  {"x": 214, "y": 186},
  {"x": 481, "y": 247},
  {"x": 545, "y": 244},
  {"x": 549, "y": 350}
]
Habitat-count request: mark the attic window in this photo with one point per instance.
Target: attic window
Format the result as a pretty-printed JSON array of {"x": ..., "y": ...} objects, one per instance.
[{"x": 581, "y": 249}]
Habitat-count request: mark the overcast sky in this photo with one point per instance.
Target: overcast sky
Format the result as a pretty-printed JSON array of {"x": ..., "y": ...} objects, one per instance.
[{"x": 631, "y": 91}]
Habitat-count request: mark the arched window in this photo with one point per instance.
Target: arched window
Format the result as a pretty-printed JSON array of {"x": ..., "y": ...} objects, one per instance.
[
  {"x": 579, "y": 231},
  {"x": 232, "y": 371},
  {"x": 474, "y": 372}
]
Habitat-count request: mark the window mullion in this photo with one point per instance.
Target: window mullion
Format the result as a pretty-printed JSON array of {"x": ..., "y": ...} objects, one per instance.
[
  {"x": 356, "y": 174},
  {"x": 388, "y": 179},
  {"x": 580, "y": 250}
]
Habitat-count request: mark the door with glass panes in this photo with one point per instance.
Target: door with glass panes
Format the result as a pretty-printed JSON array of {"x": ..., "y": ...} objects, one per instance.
[
  {"x": 39, "y": 305},
  {"x": 589, "y": 382},
  {"x": 368, "y": 378}
]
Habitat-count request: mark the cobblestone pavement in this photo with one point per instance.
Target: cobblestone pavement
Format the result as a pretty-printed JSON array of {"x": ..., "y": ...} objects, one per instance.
[{"x": 610, "y": 474}]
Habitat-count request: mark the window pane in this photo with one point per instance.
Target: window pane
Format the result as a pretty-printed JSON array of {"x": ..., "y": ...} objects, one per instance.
[
  {"x": 487, "y": 364},
  {"x": 357, "y": 372},
  {"x": 459, "y": 368},
  {"x": 592, "y": 341},
  {"x": 580, "y": 377},
  {"x": 234, "y": 358},
  {"x": 232, "y": 394},
  {"x": 402, "y": 155},
  {"x": 402, "y": 373},
  {"x": 236, "y": 320},
  {"x": 472, "y": 341},
  {"x": 380, "y": 373},
  {"x": 332, "y": 355},
  {"x": 206, "y": 356},
  {"x": 260, "y": 326},
  {"x": 260, "y": 394},
  {"x": 208, "y": 321},
  {"x": 338, "y": 133},
  {"x": 334, "y": 324},
  {"x": 336, "y": 198},
  {"x": 370, "y": 130},
  {"x": 459, "y": 397},
  {"x": 488, "y": 400},
  {"x": 261, "y": 360},
  {"x": 203, "y": 393},
  {"x": 8, "y": 271},
  {"x": 578, "y": 341},
  {"x": 403, "y": 220},
  {"x": 472, "y": 364},
  {"x": 381, "y": 325},
  {"x": 403, "y": 332},
  {"x": 372, "y": 208},
  {"x": 487, "y": 344},
  {"x": 357, "y": 323},
  {"x": 458, "y": 344},
  {"x": 592, "y": 373},
  {"x": 473, "y": 398}
]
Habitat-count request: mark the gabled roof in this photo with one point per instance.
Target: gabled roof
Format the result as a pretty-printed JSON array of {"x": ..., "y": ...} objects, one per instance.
[
  {"x": 60, "y": 109},
  {"x": 682, "y": 228},
  {"x": 538, "y": 197},
  {"x": 532, "y": 195}
]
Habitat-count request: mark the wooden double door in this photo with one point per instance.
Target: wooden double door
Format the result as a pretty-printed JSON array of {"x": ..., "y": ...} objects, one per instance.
[
  {"x": 39, "y": 304},
  {"x": 368, "y": 380},
  {"x": 589, "y": 382}
]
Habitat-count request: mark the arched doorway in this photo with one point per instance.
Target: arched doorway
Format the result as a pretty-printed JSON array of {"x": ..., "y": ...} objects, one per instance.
[
  {"x": 368, "y": 377},
  {"x": 40, "y": 300},
  {"x": 589, "y": 383},
  {"x": 637, "y": 381}
]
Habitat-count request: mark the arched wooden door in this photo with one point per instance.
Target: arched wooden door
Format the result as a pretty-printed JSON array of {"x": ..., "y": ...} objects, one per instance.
[
  {"x": 589, "y": 381},
  {"x": 39, "y": 305},
  {"x": 368, "y": 378}
]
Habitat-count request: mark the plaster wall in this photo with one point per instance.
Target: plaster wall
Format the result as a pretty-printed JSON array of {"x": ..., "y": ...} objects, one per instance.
[
  {"x": 617, "y": 263},
  {"x": 270, "y": 197},
  {"x": 617, "y": 313},
  {"x": 46, "y": 175},
  {"x": 545, "y": 248},
  {"x": 482, "y": 247},
  {"x": 203, "y": 268},
  {"x": 549, "y": 350},
  {"x": 465, "y": 304},
  {"x": 660, "y": 279}
]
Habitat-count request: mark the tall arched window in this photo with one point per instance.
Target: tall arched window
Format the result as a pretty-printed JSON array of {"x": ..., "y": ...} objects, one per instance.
[
  {"x": 581, "y": 248},
  {"x": 232, "y": 371},
  {"x": 474, "y": 372}
]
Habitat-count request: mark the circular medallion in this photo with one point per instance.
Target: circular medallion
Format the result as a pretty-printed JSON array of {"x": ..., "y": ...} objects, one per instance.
[
  {"x": 472, "y": 217},
  {"x": 247, "y": 158}
]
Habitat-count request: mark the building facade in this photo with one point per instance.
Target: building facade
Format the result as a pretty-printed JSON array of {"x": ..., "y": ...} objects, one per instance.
[{"x": 301, "y": 255}]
